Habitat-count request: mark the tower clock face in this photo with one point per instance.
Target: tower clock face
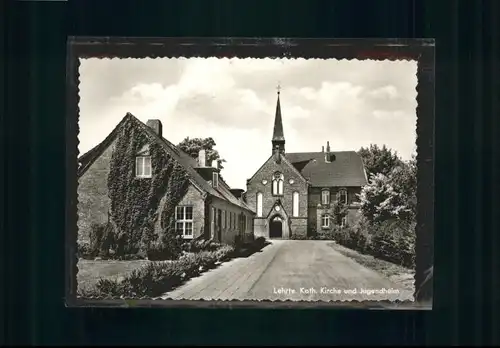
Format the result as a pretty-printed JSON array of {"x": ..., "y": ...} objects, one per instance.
[
  {"x": 264, "y": 181},
  {"x": 291, "y": 181},
  {"x": 277, "y": 208}
]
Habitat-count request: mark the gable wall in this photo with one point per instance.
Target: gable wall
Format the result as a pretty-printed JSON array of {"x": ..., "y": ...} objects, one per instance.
[
  {"x": 93, "y": 200},
  {"x": 298, "y": 225}
]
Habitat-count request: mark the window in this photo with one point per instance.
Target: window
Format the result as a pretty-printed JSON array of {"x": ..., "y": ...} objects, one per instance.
[
  {"x": 259, "y": 204},
  {"x": 344, "y": 221},
  {"x": 184, "y": 221},
  {"x": 325, "y": 196},
  {"x": 143, "y": 166},
  {"x": 295, "y": 200},
  {"x": 278, "y": 184},
  {"x": 234, "y": 220},
  {"x": 223, "y": 219},
  {"x": 215, "y": 179},
  {"x": 325, "y": 221},
  {"x": 243, "y": 223},
  {"x": 343, "y": 196}
]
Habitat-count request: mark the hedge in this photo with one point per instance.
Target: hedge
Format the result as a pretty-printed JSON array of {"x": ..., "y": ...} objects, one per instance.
[
  {"x": 392, "y": 241},
  {"x": 159, "y": 277}
]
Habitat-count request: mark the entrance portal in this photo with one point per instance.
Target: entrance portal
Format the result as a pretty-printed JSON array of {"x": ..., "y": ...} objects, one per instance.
[{"x": 276, "y": 228}]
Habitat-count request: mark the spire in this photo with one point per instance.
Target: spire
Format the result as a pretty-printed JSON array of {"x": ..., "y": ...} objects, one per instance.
[{"x": 278, "y": 140}]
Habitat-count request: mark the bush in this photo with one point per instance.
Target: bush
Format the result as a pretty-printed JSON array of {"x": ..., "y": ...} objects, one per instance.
[
  {"x": 83, "y": 250},
  {"x": 197, "y": 245},
  {"x": 167, "y": 247},
  {"x": 259, "y": 242},
  {"x": 156, "y": 278},
  {"x": 392, "y": 241}
]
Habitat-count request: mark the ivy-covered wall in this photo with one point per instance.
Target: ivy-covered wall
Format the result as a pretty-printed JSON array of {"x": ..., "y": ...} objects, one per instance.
[
  {"x": 135, "y": 202},
  {"x": 93, "y": 196}
]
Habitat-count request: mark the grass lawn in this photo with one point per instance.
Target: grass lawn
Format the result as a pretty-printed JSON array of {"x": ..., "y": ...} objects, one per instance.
[
  {"x": 90, "y": 271},
  {"x": 400, "y": 275}
]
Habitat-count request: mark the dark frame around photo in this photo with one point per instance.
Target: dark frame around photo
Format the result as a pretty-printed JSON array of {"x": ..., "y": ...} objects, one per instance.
[{"x": 420, "y": 50}]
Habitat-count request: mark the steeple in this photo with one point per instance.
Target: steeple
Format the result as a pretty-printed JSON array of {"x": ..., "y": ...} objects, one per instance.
[{"x": 278, "y": 140}]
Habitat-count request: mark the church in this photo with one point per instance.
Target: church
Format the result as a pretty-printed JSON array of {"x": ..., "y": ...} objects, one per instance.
[{"x": 294, "y": 194}]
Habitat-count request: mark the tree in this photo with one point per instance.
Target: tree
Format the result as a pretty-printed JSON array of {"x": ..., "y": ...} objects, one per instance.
[
  {"x": 379, "y": 160},
  {"x": 192, "y": 147},
  {"x": 391, "y": 196},
  {"x": 404, "y": 179}
]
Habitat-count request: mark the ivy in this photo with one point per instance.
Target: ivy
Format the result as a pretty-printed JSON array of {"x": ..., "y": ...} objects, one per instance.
[
  {"x": 135, "y": 201},
  {"x": 339, "y": 211}
]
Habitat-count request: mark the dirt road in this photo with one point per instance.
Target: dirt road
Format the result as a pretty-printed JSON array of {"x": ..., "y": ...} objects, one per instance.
[{"x": 292, "y": 270}]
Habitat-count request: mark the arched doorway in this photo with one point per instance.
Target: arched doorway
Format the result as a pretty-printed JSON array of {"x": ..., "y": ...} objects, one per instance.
[{"x": 276, "y": 228}]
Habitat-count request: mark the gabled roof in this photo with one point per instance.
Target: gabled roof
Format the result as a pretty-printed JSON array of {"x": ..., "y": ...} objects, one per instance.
[
  {"x": 346, "y": 169},
  {"x": 284, "y": 160},
  {"x": 180, "y": 156}
]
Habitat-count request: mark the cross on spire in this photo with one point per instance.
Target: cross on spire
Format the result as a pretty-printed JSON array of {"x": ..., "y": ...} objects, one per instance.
[{"x": 278, "y": 88}]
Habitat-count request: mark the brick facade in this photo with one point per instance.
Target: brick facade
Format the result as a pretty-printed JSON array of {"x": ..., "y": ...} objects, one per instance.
[
  {"x": 93, "y": 198},
  {"x": 226, "y": 222},
  {"x": 94, "y": 202},
  {"x": 317, "y": 209},
  {"x": 291, "y": 225}
]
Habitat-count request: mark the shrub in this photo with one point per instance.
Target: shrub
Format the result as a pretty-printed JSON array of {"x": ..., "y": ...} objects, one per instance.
[
  {"x": 259, "y": 241},
  {"x": 197, "y": 245},
  {"x": 167, "y": 247},
  {"x": 393, "y": 241},
  {"x": 298, "y": 237},
  {"x": 159, "y": 277},
  {"x": 83, "y": 250},
  {"x": 224, "y": 253}
]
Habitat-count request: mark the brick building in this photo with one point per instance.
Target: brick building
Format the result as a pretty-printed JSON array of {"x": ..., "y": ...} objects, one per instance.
[
  {"x": 295, "y": 193},
  {"x": 208, "y": 208}
]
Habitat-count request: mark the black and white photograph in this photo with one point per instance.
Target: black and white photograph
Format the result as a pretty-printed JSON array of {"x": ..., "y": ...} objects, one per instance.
[{"x": 247, "y": 179}]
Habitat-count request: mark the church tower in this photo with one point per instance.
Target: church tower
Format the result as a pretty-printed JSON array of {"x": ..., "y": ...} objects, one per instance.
[{"x": 278, "y": 140}]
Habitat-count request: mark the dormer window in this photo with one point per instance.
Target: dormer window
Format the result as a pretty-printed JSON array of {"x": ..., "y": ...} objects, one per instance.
[
  {"x": 325, "y": 196},
  {"x": 143, "y": 166},
  {"x": 215, "y": 179},
  {"x": 277, "y": 188}
]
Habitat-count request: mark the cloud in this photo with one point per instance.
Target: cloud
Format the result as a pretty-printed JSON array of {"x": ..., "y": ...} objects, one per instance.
[
  {"x": 349, "y": 103},
  {"x": 389, "y": 92}
]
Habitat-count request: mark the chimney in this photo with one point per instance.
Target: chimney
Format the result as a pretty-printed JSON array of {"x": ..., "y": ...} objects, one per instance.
[
  {"x": 156, "y": 126},
  {"x": 322, "y": 149},
  {"x": 238, "y": 193},
  {"x": 215, "y": 179},
  {"x": 202, "y": 158},
  {"x": 327, "y": 153}
]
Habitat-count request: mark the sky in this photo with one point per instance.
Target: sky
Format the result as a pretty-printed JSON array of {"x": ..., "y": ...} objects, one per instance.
[{"x": 348, "y": 103}]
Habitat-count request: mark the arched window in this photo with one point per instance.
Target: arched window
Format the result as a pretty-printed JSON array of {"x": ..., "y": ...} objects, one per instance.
[
  {"x": 295, "y": 201},
  {"x": 325, "y": 221},
  {"x": 259, "y": 204},
  {"x": 342, "y": 196},
  {"x": 325, "y": 196},
  {"x": 278, "y": 184}
]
